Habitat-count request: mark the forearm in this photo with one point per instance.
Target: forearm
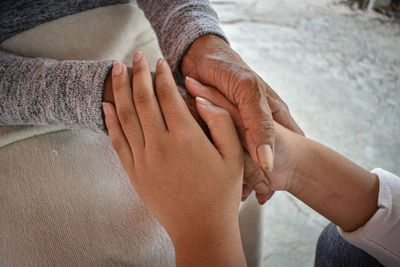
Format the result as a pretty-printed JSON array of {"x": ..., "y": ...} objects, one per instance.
[{"x": 334, "y": 186}]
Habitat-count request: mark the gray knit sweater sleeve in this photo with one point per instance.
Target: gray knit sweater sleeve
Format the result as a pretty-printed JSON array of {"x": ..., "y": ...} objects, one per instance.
[
  {"x": 48, "y": 92},
  {"x": 178, "y": 23},
  {"x": 40, "y": 91}
]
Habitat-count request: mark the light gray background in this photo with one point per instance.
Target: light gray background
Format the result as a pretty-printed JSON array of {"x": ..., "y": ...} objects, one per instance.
[{"x": 338, "y": 70}]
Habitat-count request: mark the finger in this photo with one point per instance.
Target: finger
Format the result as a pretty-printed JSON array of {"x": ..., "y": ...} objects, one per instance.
[
  {"x": 246, "y": 191},
  {"x": 281, "y": 114},
  {"x": 195, "y": 88},
  {"x": 117, "y": 137},
  {"x": 146, "y": 103},
  {"x": 173, "y": 107},
  {"x": 258, "y": 122},
  {"x": 253, "y": 121},
  {"x": 262, "y": 199},
  {"x": 222, "y": 129},
  {"x": 125, "y": 107},
  {"x": 255, "y": 177}
]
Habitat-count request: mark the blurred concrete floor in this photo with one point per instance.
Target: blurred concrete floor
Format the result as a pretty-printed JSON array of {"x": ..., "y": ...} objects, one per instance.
[{"x": 338, "y": 70}]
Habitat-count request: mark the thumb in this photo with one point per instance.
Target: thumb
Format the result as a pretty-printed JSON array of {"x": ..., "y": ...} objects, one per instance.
[{"x": 222, "y": 129}]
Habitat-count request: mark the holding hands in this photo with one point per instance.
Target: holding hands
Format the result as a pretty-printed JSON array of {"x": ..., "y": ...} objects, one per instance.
[
  {"x": 211, "y": 61},
  {"x": 194, "y": 186}
]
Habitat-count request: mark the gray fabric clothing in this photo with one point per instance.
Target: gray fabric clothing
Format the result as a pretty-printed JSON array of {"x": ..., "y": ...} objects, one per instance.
[
  {"x": 178, "y": 25},
  {"x": 65, "y": 197},
  {"x": 45, "y": 91},
  {"x": 17, "y": 16},
  {"x": 333, "y": 251},
  {"x": 49, "y": 92}
]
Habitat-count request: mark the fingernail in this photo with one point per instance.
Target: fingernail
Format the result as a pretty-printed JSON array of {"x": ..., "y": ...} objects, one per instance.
[
  {"x": 106, "y": 109},
  {"x": 261, "y": 188},
  {"x": 159, "y": 62},
  {"x": 137, "y": 57},
  {"x": 193, "y": 81},
  {"x": 117, "y": 68},
  {"x": 203, "y": 101},
  {"x": 265, "y": 157}
]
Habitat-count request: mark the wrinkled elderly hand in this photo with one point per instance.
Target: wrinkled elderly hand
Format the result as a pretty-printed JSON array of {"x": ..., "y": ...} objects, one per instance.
[{"x": 211, "y": 61}]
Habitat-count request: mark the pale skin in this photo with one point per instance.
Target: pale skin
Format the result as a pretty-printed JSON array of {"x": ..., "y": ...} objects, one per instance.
[{"x": 198, "y": 183}]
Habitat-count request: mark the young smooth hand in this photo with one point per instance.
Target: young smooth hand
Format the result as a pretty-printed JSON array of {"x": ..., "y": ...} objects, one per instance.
[{"x": 191, "y": 185}]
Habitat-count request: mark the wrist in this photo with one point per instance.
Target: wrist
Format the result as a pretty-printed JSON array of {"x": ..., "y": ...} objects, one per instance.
[
  {"x": 199, "y": 230},
  {"x": 335, "y": 187},
  {"x": 291, "y": 152},
  {"x": 302, "y": 165},
  {"x": 220, "y": 245}
]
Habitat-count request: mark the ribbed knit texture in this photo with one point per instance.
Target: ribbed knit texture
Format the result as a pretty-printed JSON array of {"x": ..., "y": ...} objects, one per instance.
[
  {"x": 46, "y": 92},
  {"x": 39, "y": 91}
]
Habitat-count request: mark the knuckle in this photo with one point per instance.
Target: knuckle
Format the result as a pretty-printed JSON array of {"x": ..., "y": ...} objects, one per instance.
[
  {"x": 125, "y": 115},
  {"x": 285, "y": 107},
  {"x": 138, "y": 69},
  {"x": 117, "y": 83},
  {"x": 163, "y": 90},
  {"x": 218, "y": 118},
  {"x": 266, "y": 126},
  {"x": 248, "y": 79},
  {"x": 252, "y": 174},
  {"x": 221, "y": 115},
  {"x": 141, "y": 97},
  {"x": 160, "y": 72}
]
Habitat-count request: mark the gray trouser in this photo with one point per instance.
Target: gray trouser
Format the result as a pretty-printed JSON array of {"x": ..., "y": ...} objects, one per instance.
[{"x": 333, "y": 250}]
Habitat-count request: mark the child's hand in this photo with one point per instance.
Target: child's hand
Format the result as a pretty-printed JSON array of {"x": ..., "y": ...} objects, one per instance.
[
  {"x": 190, "y": 185},
  {"x": 286, "y": 151}
]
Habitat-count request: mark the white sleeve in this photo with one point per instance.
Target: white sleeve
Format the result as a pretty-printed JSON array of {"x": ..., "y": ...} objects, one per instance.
[{"x": 380, "y": 236}]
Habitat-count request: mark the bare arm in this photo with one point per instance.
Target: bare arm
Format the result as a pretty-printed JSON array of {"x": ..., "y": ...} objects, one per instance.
[
  {"x": 329, "y": 183},
  {"x": 334, "y": 186}
]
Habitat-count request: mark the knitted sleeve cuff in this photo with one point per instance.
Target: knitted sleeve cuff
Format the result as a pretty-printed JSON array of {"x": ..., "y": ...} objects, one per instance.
[{"x": 38, "y": 91}]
